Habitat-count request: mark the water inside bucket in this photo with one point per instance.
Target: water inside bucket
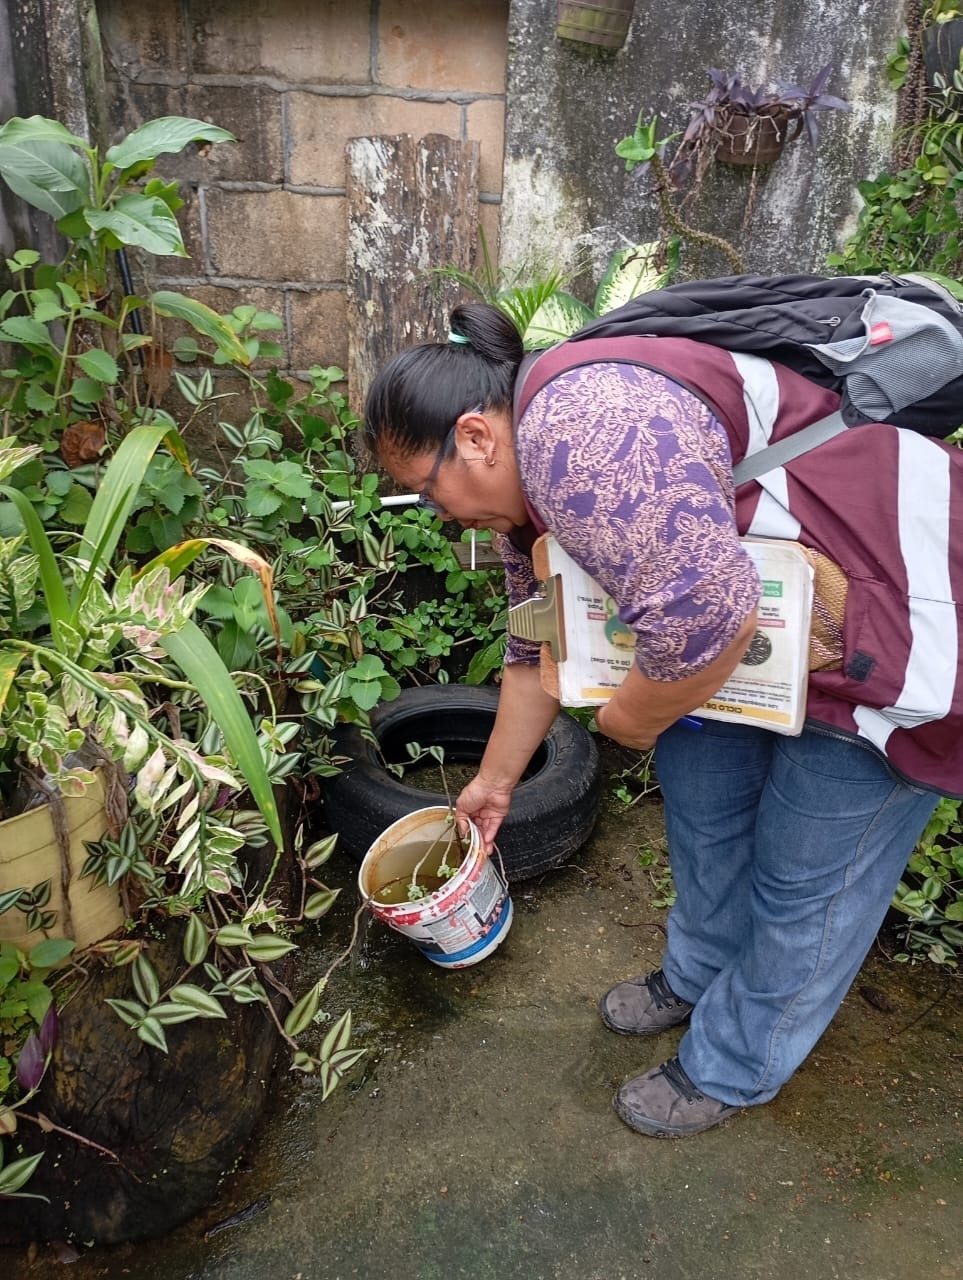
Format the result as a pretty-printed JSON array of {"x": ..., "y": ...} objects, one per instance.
[
  {"x": 398, "y": 890},
  {"x": 424, "y": 859}
]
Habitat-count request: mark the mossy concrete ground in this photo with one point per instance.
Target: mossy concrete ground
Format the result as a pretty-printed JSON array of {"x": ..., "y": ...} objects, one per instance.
[{"x": 478, "y": 1140}]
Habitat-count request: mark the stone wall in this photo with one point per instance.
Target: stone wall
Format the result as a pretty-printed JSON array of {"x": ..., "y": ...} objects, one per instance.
[
  {"x": 265, "y": 220},
  {"x": 565, "y": 191}
]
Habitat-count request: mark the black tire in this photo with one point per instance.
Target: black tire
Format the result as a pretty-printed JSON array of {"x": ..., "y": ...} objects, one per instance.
[{"x": 554, "y": 807}]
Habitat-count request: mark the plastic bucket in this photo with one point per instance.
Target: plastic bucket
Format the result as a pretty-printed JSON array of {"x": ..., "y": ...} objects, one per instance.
[{"x": 461, "y": 921}]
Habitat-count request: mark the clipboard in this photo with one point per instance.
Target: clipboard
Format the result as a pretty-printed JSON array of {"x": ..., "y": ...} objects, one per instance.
[{"x": 587, "y": 651}]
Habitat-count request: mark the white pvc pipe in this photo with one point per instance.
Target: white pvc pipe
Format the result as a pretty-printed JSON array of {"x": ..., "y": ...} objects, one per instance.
[{"x": 393, "y": 500}]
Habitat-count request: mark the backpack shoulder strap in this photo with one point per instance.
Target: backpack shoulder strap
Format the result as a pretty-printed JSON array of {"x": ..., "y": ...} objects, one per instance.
[
  {"x": 750, "y": 468},
  {"x": 777, "y": 455},
  {"x": 525, "y": 385}
]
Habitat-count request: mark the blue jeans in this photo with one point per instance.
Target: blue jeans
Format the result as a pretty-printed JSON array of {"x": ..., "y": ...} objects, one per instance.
[{"x": 785, "y": 854}]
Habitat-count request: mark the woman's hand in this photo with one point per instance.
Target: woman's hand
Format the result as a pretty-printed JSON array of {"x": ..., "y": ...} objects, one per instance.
[{"x": 486, "y": 804}]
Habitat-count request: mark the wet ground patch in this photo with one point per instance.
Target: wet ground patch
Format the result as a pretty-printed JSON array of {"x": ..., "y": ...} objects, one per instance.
[{"x": 477, "y": 1139}]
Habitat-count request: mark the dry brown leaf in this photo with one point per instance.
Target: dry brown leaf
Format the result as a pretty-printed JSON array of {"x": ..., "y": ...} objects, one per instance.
[{"x": 82, "y": 442}]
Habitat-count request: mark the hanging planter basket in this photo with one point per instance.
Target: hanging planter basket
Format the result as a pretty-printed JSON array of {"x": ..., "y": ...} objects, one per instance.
[
  {"x": 756, "y": 139},
  {"x": 604, "y": 25}
]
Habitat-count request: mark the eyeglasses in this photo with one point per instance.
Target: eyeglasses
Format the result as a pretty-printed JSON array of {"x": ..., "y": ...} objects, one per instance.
[{"x": 424, "y": 500}]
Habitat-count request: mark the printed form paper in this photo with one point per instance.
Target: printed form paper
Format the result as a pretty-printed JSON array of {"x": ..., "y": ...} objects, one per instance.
[{"x": 768, "y": 687}]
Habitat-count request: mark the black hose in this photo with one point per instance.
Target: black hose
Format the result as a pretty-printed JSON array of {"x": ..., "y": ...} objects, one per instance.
[{"x": 135, "y": 320}]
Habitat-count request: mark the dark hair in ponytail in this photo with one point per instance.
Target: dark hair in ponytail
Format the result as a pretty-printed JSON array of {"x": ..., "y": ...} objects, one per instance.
[{"x": 421, "y": 392}]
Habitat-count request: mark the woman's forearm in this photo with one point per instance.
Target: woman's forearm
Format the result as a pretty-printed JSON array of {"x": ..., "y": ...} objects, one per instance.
[
  {"x": 641, "y": 708},
  {"x": 524, "y": 717}
]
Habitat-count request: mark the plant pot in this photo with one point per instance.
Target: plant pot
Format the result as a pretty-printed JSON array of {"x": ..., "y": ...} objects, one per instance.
[
  {"x": 176, "y": 1120},
  {"x": 604, "y": 25},
  {"x": 942, "y": 45},
  {"x": 756, "y": 139},
  {"x": 29, "y": 854}
]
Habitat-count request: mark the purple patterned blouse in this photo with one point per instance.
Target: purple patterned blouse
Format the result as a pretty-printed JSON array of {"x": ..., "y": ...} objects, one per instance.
[{"x": 633, "y": 476}]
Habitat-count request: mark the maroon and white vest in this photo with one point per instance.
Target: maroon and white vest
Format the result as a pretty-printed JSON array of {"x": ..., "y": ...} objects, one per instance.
[{"x": 885, "y": 503}]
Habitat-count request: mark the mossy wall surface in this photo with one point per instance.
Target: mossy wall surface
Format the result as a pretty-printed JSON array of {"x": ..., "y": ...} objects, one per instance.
[
  {"x": 565, "y": 191},
  {"x": 265, "y": 218}
]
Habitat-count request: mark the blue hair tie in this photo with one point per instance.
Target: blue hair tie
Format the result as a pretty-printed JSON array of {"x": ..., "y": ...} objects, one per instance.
[{"x": 459, "y": 339}]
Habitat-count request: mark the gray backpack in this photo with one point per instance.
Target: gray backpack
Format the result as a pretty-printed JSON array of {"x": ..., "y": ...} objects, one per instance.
[{"x": 891, "y": 346}]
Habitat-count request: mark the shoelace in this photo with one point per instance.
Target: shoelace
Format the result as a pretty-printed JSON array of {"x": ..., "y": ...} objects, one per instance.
[
  {"x": 661, "y": 992},
  {"x": 680, "y": 1082}
]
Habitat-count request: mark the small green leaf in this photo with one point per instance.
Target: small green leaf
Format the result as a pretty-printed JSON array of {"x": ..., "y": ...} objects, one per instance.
[
  {"x": 152, "y": 1033},
  {"x": 302, "y": 1015},
  {"x": 99, "y": 364},
  {"x": 338, "y": 1037},
  {"x": 196, "y": 998},
  {"x": 319, "y": 904},
  {"x": 50, "y": 952},
  {"x": 39, "y": 399},
  {"x": 25, "y": 330},
  {"x": 169, "y": 1014},
  {"x": 233, "y": 935},
  {"x": 267, "y": 946},
  {"x": 12, "y": 897},
  {"x": 23, "y": 259},
  {"x": 195, "y": 941},
  {"x": 248, "y": 993},
  {"x": 318, "y": 853},
  {"x": 17, "y": 1174},
  {"x": 128, "y": 1011},
  {"x": 87, "y": 390},
  {"x": 75, "y": 508},
  {"x": 146, "y": 981},
  {"x": 333, "y": 1070},
  {"x": 366, "y": 694}
]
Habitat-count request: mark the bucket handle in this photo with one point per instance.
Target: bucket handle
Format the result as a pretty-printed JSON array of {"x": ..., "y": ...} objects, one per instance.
[{"x": 501, "y": 864}]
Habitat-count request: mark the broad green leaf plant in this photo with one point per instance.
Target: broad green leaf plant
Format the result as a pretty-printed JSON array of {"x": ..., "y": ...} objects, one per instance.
[
  {"x": 290, "y": 486},
  {"x": 86, "y": 640},
  {"x": 630, "y": 271},
  {"x": 28, "y": 1018},
  {"x": 80, "y": 674},
  {"x": 84, "y": 360},
  {"x": 538, "y": 302},
  {"x": 109, "y": 545},
  {"x": 101, "y": 203}
]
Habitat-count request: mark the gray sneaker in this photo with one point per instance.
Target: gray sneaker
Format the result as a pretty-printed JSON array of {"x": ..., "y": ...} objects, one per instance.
[
  {"x": 665, "y": 1103},
  {"x": 643, "y": 1006}
]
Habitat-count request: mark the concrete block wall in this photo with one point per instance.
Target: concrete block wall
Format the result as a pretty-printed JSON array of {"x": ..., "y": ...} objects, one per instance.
[{"x": 265, "y": 220}]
